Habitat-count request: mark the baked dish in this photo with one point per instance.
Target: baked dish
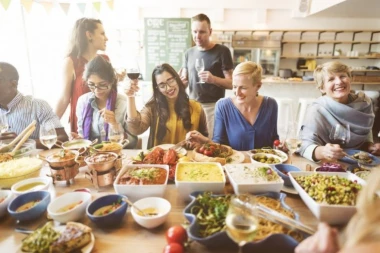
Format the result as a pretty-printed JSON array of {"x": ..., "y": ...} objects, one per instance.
[
  {"x": 212, "y": 152},
  {"x": 143, "y": 176}
]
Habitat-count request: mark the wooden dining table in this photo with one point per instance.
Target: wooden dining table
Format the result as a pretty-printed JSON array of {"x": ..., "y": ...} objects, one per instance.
[{"x": 129, "y": 236}]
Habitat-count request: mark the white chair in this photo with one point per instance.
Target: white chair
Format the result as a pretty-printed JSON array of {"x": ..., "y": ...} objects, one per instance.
[
  {"x": 285, "y": 115},
  {"x": 303, "y": 104}
]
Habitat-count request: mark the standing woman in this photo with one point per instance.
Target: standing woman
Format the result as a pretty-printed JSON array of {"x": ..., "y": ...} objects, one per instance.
[
  {"x": 169, "y": 114},
  {"x": 103, "y": 107},
  {"x": 88, "y": 36}
]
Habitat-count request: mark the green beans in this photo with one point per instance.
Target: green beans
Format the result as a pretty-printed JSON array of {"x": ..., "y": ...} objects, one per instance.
[
  {"x": 330, "y": 189},
  {"x": 40, "y": 240}
]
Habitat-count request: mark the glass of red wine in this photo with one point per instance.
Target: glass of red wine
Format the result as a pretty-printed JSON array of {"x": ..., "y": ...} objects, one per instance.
[
  {"x": 340, "y": 134},
  {"x": 133, "y": 71}
]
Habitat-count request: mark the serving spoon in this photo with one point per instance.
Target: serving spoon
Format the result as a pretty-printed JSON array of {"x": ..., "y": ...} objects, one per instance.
[{"x": 138, "y": 209}]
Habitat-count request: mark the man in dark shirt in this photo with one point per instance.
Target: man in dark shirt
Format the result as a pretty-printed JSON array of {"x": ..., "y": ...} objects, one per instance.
[{"x": 207, "y": 86}]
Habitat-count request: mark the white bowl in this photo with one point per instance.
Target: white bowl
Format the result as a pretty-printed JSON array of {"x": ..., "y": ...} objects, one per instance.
[
  {"x": 161, "y": 205},
  {"x": 46, "y": 182},
  {"x": 332, "y": 214},
  {"x": 185, "y": 187},
  {"x": 136, "y": 192},
  {"x": 236, "y": 174},
  {"x": 5, "y": 197},
  {"x": 65, "y": 200},
  {"x": 267, "y": 155}
]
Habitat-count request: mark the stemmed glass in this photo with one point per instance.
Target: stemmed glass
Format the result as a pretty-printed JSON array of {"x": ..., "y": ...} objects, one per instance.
[
  {"x": 133, "y": 72},
  {"x": 241, "y": 219},
  {"x": 48, "y": 135},
  {"x": 199, "y": 66},
  {"x": 116, "y": 133},
  {"x": 292, "y": 140},
  {"x": 340, "y": 134},
  {"x": 3, "y": 123}
]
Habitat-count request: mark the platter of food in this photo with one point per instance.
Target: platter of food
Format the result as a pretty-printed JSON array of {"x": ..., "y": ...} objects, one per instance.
[
  {"x": 181, "y": 151},
  {"x": 357, "y": 156},
  {"x": 209, "y": 229},
  {"x": 212, "y": 152},
  {"x": 73, "y": 237},
  {"x": 281, "y": 154},
  {"x": 330, "y": 196}
]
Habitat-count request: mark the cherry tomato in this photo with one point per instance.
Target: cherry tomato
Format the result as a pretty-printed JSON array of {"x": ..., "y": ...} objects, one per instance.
[
  {"x": 208, "y": 152},
  {"x": 201, "y": 149},
  {"x": 173, "y": 248},
  {"x": 276, "y": 143},
  {"x": 176, "y": 234}
]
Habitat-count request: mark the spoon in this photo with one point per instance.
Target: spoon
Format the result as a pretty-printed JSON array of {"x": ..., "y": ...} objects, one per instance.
[{"x": 138, "y": 209}]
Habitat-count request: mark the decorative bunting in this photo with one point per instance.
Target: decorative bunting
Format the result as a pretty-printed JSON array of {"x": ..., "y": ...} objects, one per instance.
[
  {"x": 5, "y": 3},
  {"x": 27, "y": 5},
  {"x": 110, "y": 4},
  {"x": 82, "y": 7},
  {"x": 65, "y": 7},
  {"x": 48, "y": 6},
  {"x": 97, "y": 6}
]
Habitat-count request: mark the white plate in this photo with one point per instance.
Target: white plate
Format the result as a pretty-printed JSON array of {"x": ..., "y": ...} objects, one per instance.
[
  {"x": 289, "y": 190},
  {"x": 86, "y": 249},
  {"x": 282, "y": 155},
  {"x": 237, "y": 157},
  {"x": 181, "y": 151}
]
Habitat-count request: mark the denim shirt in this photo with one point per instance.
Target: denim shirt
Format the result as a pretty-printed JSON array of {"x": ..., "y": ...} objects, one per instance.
[{"x": 97, "y": 125}]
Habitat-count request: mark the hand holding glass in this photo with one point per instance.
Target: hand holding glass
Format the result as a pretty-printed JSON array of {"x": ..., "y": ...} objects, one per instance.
[
  {"x": 340, "y": 134},
  {"x": 133, "y": 72},
  {"x": 116, "y": 133},
  {"x": 241, "y": 220},
  {"x": 48, "y": 135},
  {"x": 200, "y": 67}
]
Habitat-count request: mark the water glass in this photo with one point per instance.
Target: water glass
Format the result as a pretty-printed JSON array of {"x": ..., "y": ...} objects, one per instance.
[
  {"x": 116, "y": 133},
  {"x": 48, "y": 135},
  {"x": 200, "y": 67}
]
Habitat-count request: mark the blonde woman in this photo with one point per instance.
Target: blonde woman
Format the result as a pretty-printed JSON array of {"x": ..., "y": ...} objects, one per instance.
[
  {"x": 337, "y": 105},
  {"x": 363, "y": 231},
  {"x": 247, "y": 120}
]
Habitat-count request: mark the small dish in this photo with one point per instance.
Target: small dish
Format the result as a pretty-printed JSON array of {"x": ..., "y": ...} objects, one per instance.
[
  {"x": 162, "y": 206},
  {"x": 282, "y": 170},
  {"x": 265, "y": 159},
  {"x": 351, "y": 160},
  {"x": 31, "y": 184}
]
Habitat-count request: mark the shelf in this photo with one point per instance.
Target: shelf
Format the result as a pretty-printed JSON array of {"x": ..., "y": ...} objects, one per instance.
[
  {"x": 354, "y": 70},
  {"x": 328, "y": 57},
  {"x": 328, "y": 42}
]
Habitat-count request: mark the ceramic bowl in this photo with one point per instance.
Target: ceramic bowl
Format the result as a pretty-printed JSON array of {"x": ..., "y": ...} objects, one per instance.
[
  {"x": 162, "y": 206},
  {"x": 5, "y": 199},
  {"x": 33, "y": 213},
  {"x": 31, "y": 184},
  {"x": 283, "y": 169}
]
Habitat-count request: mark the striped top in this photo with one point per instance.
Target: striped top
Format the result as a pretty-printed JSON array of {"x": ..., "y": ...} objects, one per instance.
[{"x": 22, "y": 110}]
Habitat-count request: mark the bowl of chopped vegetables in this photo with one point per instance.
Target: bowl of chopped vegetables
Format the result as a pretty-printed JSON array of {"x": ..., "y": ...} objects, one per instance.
[
  {"x": 107, "y": 211},
  {"x": 330, "y": 167}
]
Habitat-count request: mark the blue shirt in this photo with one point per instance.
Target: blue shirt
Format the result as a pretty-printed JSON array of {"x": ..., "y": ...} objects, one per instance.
[{"x": 232, "y": 129}]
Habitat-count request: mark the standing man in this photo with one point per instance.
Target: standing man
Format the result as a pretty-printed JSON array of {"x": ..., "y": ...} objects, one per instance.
[{"x": 217, "y": 74}]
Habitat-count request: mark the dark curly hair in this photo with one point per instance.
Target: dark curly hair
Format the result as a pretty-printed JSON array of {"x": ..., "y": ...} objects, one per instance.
[{"x": 182, "y": 105}]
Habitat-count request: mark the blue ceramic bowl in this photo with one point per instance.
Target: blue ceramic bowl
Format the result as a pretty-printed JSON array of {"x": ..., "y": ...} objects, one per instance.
[
  {"x": 112, "y": 219},
  {"x": 281, "y": 168},
  {"x": 272, "y": 243},
  {"x": 34, "y": 212}
]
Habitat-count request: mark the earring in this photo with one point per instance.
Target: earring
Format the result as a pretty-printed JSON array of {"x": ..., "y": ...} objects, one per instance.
[{"x": 257, "y": 94}]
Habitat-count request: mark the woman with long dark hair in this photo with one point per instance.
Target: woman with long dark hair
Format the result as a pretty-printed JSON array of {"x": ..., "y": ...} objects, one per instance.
[{"x": 170, "y": 113}]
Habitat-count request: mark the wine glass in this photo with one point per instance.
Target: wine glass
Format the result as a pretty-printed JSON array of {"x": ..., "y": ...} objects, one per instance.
[
  {"x": 48, "y": 135},
  {"x": 199, "y": 66},
  {"x": 116, "y": 133},
  {"x": 241, "y": 219},
  {"x": 3, "y": 123},
  {"x": 292, "y": 140},
  {"x": 133, "y": 72},
  {"x": 340, "y": 134}
]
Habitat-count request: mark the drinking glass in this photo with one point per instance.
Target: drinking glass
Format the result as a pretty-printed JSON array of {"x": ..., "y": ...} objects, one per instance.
[
  {"x": 48, "y": 135},
  {"x": 292, "y": 140},
  {"x": 133, "y": 72},
  {"x": 116, "y": 133},
  {"x": 340, "y": 134},
  {"x": 199, "y": 66},
  {"x": 3, "y": 123},
  {"x": 241, "y": 219}
]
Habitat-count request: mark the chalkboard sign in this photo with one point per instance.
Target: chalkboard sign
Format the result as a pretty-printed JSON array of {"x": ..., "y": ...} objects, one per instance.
[{"x": 166, "y": 41}]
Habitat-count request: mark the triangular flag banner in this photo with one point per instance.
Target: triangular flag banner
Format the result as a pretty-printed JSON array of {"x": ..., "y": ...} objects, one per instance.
[
  {"x": 110, "y": 4},
  {"x": 96, "y": 6},
  {"x": 27, "y": 5},
  {"x": 82, "y": 7},
  {"x": 5, "y": 3},
  {"x": 65, "y": 7},
  {"x": 48, "y": 6}
]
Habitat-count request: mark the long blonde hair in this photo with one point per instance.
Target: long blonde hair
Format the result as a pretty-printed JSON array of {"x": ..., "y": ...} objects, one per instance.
[{"x": 364, "y": 226}]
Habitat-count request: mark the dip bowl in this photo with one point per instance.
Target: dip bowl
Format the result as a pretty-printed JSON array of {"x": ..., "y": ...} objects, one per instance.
[
  {"x": 161, "y": 205},
  {"x": 31, "y": 184}
]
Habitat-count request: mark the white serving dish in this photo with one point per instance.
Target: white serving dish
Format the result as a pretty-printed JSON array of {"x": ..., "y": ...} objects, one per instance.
[
  {"x": 268, "y": 155},
  {"x": 45, "y": 180},
  {"x": 136, "y": 192},
  {"x": 160, "y": 204},
  {"x": 8, "y": 196},
  {"x": 66, "y": 199},
  {"x": 245, "y": 187},
  {"x": 186, "y": 187},
  {"x": 332, "y": 214}
]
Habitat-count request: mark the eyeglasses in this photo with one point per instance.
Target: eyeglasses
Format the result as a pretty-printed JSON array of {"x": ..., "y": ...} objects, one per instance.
[
  {"x": 170, "y": 82},
  {"x": 92, "y": 86}
]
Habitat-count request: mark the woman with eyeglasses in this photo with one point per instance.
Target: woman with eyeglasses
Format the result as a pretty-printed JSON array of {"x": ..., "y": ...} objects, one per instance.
[
  {"x": 103, "y": 107},
  {"x": 169, "y": 114},
  {"x": 88, "y": 36}
]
